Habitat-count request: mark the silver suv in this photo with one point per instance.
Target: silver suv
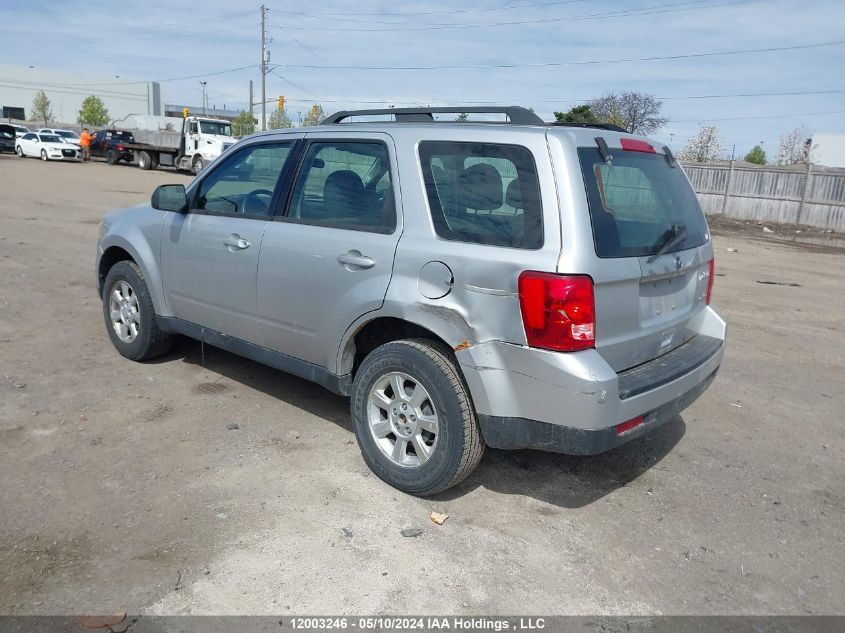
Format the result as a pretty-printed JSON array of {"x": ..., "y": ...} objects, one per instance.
[{"x": 511, "y": 284}]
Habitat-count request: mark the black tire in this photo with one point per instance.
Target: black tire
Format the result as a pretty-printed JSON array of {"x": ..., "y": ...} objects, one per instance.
[
  {"x": 151, "y": 341},
  {"x": 154, "y": 158},
  {"x": 19, "y": 152},
  {"x": 44, "y": 155},
  {"x": 197, "y": 165},
  {"x": 459, "y": 445},
  {"x": 111, "y": 157},
  {"x": 145, "y": 161}
]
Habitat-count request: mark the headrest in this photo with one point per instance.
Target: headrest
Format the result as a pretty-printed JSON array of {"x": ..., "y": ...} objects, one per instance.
[
  {"x": 343, "y": 186},
  {"x": 513, "y": 195},
  {"x": 481, "y": 188}
]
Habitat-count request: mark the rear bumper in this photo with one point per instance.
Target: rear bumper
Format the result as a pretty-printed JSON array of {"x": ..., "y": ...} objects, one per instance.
[
  {"x": 517, "y": 433},
  {"x": 570, "y": 402}
]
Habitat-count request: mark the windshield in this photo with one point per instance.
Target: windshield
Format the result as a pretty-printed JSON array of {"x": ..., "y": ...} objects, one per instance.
[
  {"x": 66, "y": 134},
  {"x": 215, "y": 127},
  {"x": 638, "y": 202},
  {"x": 49, "y": 138}
]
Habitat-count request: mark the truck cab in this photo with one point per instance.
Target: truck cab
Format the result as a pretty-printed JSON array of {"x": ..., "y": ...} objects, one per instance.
[{"x": 203, "y": 139}]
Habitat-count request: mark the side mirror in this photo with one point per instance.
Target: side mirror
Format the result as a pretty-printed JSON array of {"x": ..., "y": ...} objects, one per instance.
[{"x": 170, "y": 198}]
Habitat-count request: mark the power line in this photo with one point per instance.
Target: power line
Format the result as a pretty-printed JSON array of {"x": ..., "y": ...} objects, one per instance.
[
  {"x": 449, "y": 12},
  {"x": 763, "y": 116},
  {"x": 169, "y": 27},
  {"x": 686, "y": 5},
  {"x": 298, "y": 87},
  {"x": 578, "y": 62}
]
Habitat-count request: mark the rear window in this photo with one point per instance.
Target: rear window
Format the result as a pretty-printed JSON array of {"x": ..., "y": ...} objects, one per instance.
[
  {"x": 126, "y": 137},
  {"x": 484, "y": 193},
  {"x": 636, "y": 200}
]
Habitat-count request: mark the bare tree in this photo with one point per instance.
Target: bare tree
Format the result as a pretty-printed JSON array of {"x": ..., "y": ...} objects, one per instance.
[
  {"x": 704, "y": 147},
  {"x": 795, "y": 147},
  {"x": 637, "y": 112}
]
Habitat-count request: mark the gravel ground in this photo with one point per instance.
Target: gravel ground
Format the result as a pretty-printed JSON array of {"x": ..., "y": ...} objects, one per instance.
[{"x": 123, "y": 486}]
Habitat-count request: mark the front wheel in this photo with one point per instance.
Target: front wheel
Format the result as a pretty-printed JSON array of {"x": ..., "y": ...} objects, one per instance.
[
  {"x": 130, "y": 317},
  {"x": 43, "y": 154},
  {"x": 414, "y": 418},
  {"x": 198, "y": 165}
]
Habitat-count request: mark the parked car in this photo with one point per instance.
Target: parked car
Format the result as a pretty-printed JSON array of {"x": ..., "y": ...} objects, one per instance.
[
  {"x": 67, "y": 136},
  {"x": 520, "y": 285},
  {"x": 20, "y": 130},
  {"x": 108, "y": 144},
  {"x": 7, "y": 138},
  {"x": 47, "y": 147}
]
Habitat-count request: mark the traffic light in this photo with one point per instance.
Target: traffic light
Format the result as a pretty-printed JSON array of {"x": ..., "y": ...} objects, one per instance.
[
  {"x": 185, "y": 113},
  {"x": 281, "y": 103}
]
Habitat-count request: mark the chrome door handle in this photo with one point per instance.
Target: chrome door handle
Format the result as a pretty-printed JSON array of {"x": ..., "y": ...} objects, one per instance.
[
  {"x": 354, "y": 260},
  {"x": 236, "y": 241}
]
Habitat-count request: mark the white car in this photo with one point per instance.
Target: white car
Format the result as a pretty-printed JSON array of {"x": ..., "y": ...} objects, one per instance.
[
  {"x": 47, "y": 147},
  {"x": 67, "y": 136}
]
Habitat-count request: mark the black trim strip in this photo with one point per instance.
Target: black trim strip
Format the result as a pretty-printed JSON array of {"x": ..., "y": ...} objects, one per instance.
[
  {"x": 309, "y": 371},
  {"x": 671, "y": 366}
]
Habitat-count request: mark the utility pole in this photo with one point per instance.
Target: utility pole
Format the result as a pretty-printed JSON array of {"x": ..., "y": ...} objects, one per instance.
[
  {"x": 250, "y": 101},
  {"x": 202, "y": 83},
  {"x": 263, "y": 69}
]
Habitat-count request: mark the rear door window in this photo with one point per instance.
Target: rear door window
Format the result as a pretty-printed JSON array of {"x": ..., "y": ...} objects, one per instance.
[
  {"x": 485, "y": 193},
  {"x": 637, "y": 201},
  {"x": 345, "y": 185}
]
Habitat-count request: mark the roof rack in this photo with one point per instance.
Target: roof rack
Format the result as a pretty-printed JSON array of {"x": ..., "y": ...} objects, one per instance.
[
  {"x": 610, "y": 127},
  {"x": 515, "y": 114}
]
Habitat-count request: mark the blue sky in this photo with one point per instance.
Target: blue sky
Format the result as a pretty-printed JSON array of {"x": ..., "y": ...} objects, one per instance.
[{"x": 154, "y": 40}]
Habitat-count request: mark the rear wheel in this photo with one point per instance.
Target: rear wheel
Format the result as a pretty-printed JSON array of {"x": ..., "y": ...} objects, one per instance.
[
  {"x": 111, "y": 157},
  {"x": 19, "y": 152},
  {"x": 145, "y": 161},
  {"x": 130, "y": 317},
  {"x": 413, "y": 417}
]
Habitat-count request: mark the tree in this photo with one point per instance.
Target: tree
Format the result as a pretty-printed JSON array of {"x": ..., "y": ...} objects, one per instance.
[
  {"x": 756, "y": 156},
  {"x": 462, "y": 117},
  {"x": 795, "y": 147},
  {"x": 705, "y": 147},
  {"x": 279, "y": 119},
  {"x": 637, "y": 112},
  {"x": 314, "y": 116},
  {"x": 93, "y": 112},
  {"x": 578, "y": 114},
  {"x": 243, "y": 124},
  {"x": 42, "y": 108}
]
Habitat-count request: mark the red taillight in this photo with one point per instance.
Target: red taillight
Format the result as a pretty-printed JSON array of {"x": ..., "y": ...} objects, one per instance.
[
  {"x": 635, "y": 145},
  {"x": 558, "y": 311},
  {"x": 120, "y": 148},
  {"x": 711, "y": 274},
  {"x": 629, "y": 425}
]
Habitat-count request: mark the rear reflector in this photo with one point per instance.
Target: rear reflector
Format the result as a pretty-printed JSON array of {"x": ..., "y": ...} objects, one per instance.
[
  {"x": 635, "y": 145},
  {"x": 629, "y": 425},
  {"x": 710, "y": 277},
  {"x": 558, "y": 311}
]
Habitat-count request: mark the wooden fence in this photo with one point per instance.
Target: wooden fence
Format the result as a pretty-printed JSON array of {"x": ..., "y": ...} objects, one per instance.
[{"x": 771, "y": 194}]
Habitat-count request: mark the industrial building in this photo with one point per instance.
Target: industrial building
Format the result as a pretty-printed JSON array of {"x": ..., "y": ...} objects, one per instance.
[{"x": 124, "y": 97}]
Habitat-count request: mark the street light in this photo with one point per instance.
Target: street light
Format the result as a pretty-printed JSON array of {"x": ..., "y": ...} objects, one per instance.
[{"x": 202, "y": 83}]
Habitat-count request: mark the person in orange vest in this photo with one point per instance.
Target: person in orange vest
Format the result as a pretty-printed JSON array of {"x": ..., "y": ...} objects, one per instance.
[{"x": 85, "y": 143}]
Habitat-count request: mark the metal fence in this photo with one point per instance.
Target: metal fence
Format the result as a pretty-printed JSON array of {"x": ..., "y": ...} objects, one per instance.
[{"x": 772, "y": 194}]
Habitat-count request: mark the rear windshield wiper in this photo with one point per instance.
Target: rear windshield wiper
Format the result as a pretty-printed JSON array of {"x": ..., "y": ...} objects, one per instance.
[{"x": 673, "y": 236}]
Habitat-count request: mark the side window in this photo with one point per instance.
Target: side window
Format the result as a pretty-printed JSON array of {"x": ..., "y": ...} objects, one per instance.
[
  {"x": 347, "y": 185},
  {"x": 29, "y": 137},
  {"x": 244, "y": 184},
  {"x": 483, "y": 192}
]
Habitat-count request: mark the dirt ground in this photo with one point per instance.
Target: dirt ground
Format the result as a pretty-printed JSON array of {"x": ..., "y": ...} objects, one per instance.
[{"x": 121, "y": 488}]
